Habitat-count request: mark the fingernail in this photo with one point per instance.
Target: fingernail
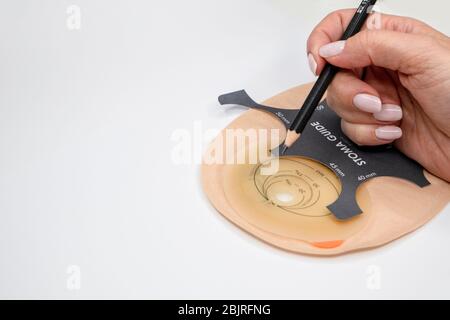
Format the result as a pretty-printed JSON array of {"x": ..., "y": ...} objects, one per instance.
[
  {"x": 312, "y": 64},
  {"x": 388, "y": 133},
  {"x": 389, "y": 112},
  {"x": 367, "y": 103},
  {"x": 332, "y": 49}
]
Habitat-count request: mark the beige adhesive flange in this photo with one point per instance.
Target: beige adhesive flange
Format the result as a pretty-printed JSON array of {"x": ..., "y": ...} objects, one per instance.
[{"x": 392, "y": 207}]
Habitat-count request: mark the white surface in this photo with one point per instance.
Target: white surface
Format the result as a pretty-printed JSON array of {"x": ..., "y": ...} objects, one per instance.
[{"x": 86, "y": 171}]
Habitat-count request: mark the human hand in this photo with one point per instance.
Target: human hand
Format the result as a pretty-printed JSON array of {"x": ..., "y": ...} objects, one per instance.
[{"x": 395, "y": 86}]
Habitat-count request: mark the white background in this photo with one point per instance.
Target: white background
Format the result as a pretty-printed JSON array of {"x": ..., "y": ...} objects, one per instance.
[{"x": 86, "y": 176}]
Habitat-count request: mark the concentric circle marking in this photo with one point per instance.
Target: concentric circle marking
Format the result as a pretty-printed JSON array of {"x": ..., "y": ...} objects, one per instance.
[{"x": 297, "y": 187}]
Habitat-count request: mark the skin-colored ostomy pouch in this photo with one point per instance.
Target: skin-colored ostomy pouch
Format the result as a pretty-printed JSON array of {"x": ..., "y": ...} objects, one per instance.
[{"x": 301, "y": 206}]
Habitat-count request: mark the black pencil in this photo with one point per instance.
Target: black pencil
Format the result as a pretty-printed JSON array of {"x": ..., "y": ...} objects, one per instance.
[{"x": 326, "y": 76}]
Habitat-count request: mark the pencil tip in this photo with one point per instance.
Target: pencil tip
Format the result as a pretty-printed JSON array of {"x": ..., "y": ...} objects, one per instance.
[{"x": 284, "y": 149}]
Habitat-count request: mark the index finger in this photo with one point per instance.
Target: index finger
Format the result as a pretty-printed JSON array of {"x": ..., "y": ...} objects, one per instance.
[
  {"x": 333, "y": 26},
  {"x": 330, "y": 29}
]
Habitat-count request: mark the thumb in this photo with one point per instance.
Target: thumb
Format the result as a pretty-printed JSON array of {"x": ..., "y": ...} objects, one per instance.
[{"x": 398, "y": 51}]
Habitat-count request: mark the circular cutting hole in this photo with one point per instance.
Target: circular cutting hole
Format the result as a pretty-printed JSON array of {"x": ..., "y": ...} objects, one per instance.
[
  {"x": 283, "y": 194},
  {"x": 285, "y": 197}
]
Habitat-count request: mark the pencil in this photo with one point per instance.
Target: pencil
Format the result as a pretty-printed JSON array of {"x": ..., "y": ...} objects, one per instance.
[{"x": 326, "y": 76}]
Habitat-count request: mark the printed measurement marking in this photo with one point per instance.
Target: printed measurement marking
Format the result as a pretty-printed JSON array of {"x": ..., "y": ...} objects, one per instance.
[
  {"x": 336, "y": 169},
  {"x": 367, "y": 176}
]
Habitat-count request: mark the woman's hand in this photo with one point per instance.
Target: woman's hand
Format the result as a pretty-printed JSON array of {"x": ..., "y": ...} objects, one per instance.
[{"x": 395, "y": 86}]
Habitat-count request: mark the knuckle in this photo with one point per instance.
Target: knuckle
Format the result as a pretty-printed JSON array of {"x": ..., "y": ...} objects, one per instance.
[
  {"x": 339, "y": 92},
  {"x": 332, "y": 98},
  {"x": 357, "y": 138},
  {"x": 354, "y": 133},
  {"x": 430, "y": 43},
  {"x": 404, "y": 24},
  {"x": 369, "y": 42},
  {"x": 310, "y": 42},
  {"x": 368, "y": 39},
  {"x": 333, "y": 15},
  {"x": 413, "y": 24}
]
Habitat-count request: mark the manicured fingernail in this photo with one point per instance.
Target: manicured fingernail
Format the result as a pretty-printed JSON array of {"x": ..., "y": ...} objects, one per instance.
[
  {"x": 388, "y": 133},
  {"x": 312, "y": 64},
  {"x": 332, "y": 49},
  {"x": 389, "y": 112},
  {"x": 367, "y": 103}
]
